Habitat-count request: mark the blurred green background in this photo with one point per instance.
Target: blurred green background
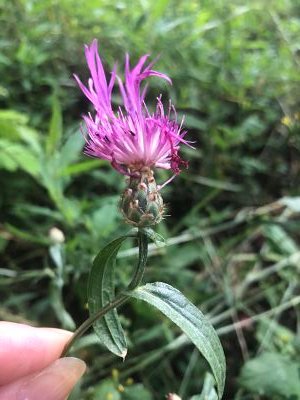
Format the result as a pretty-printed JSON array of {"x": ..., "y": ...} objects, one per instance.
[{"x": 233, "y": 225}]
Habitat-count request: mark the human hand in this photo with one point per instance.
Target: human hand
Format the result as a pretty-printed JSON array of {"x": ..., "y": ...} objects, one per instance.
[{"x": 29, "y": 365}]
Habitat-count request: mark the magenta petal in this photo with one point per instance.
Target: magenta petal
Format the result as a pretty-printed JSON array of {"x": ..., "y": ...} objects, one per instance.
[{"x": 132, "y": 138}]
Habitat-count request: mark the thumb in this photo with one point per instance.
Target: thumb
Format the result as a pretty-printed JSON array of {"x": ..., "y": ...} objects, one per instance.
[{"x": 52, "y": 383}]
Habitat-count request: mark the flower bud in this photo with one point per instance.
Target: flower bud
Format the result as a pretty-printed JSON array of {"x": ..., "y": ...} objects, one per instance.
[
  {"x": 141, "y": 203},
  {"x": 56, "y": 235}
]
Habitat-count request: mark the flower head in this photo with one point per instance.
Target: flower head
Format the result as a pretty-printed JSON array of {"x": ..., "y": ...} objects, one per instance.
[{"x": 131, "y": 137}]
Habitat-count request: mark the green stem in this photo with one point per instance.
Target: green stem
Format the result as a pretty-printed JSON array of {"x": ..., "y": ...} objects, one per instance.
[
  {"x": 140, "y": 267},
  {"x": 119, "y": 299}
]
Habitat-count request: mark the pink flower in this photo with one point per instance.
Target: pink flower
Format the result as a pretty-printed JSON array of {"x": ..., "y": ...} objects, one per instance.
[{"x": 131, "y": 138}]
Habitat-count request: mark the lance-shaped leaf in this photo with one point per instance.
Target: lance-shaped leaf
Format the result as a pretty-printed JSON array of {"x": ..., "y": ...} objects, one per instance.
[
  {"x": 101, "y": 291},
  {"x": 190, "y": 319}
]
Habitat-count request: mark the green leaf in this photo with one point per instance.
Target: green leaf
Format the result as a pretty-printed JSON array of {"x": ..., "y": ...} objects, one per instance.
[
  {"x": 136, "y": 392},
  {"x": 105, "y": 216},
  {"x": 279, "y": 241},
  {"x": 107, "y": 389},
  {"x": 55, "y": 127},
  {"x": 71, "y": 150},
  {"x": 157, "y": 9},
  {"x": 272, "y": 374},
  {"x": 190, "y": 319},
  {"x": 14, "y": 127},
  {"x": 81, "y": 167},
  {"x": 16, "y": 155},
  {"x": 101, "y": 291}
]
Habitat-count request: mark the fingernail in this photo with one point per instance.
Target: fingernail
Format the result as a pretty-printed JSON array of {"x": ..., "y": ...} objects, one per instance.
[{"x": 54, "y": 382}]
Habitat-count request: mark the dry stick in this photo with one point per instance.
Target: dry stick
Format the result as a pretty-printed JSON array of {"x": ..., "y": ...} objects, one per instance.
[
  {"x": 246, "y": 322},
  {"x": 287, "y": 294},
  {"x": 255, "y": 276}
]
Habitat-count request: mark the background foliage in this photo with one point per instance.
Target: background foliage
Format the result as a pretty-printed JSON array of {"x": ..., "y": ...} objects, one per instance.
[{"x": 233, "y": 229}]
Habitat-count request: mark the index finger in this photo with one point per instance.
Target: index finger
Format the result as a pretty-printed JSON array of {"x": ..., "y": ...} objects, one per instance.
[{"x": 25, "y": 349}]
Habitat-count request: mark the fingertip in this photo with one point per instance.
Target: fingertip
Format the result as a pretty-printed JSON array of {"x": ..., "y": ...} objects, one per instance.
[
  {"x": 55, "y": 382},
  {"x": 73, "y": 366},
  {"x": 25, "y": 349}
]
